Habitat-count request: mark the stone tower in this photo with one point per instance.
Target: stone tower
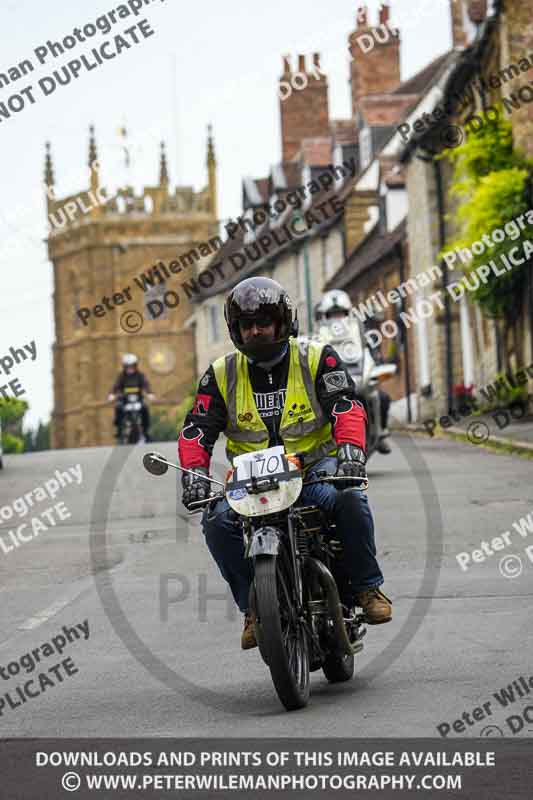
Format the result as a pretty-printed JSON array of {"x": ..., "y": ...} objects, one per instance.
[{"x": 98, "y": 244}]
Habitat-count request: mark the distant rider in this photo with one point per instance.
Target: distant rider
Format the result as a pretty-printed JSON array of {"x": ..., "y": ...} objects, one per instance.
[
  {"x": 276, "y": 389},
  {"x": 131, "y": 381},
  {"x": 336, "y": 304}
]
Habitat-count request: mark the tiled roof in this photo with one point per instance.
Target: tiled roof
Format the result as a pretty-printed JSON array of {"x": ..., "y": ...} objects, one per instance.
[
  {"x": 385, "y": 109},
  {"x": 233, "y": 246},
  {"x": 419, "y": 82}
]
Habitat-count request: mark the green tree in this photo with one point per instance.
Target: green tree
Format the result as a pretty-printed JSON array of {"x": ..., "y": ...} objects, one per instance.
[
  {"x": 36, "y": 440},
  {"x": 490, "y": 179},
  {"x": 165, "y": 428},
  {"x": 11, "y": 415}
]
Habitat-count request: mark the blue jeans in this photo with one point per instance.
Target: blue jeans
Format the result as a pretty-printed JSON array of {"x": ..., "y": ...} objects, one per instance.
[{"x": 355, "y": 529}]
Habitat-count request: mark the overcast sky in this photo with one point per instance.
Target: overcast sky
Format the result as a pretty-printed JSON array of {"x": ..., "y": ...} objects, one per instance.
[{"x": 207, "y": 62}]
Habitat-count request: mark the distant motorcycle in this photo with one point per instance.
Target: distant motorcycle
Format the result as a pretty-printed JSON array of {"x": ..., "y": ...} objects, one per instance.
[
  {"x": 346, "y": 336},
  {"x": 131, "y": 422},
  {"x": 131, "y": 406},
  {"x": 300, "y": 625}
]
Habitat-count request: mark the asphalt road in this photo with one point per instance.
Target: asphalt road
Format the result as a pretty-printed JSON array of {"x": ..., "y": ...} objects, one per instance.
[{"x": 163, "y": 656}]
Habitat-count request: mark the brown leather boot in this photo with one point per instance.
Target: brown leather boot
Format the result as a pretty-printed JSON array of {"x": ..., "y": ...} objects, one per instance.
[
  {"x": 248, "y": 639},
  {"x": 377, "y": 608}
]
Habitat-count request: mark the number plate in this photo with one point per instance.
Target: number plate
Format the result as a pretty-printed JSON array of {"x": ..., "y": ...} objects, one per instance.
[{"x": 261, "y": 464}]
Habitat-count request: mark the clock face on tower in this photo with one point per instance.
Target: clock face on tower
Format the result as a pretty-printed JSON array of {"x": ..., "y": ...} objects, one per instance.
[{"x": 162, "y": 359}]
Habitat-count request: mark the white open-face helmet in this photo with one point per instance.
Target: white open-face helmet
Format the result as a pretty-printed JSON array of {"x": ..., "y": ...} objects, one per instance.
[
  {"x": 129, "y": 360},
  {"x": 334, "y": 302}
]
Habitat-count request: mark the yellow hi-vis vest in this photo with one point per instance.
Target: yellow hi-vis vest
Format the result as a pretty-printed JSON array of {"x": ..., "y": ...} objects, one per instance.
[{"x": 303, "y": 428}]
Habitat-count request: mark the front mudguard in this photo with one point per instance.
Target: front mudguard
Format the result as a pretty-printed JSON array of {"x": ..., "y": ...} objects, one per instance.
[{"x": 264, "y": 542}]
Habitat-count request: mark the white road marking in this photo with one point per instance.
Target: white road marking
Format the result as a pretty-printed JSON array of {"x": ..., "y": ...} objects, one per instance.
[{"x": 44, "y": 616}]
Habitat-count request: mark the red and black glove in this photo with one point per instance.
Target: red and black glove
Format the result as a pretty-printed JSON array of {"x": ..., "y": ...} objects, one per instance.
[
  {"x": 351, "y": 461},
  {"x": 194, "y": 486}
]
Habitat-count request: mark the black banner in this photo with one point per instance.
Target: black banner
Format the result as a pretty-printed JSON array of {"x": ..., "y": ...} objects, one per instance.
[{"x": 34, "y": 769}]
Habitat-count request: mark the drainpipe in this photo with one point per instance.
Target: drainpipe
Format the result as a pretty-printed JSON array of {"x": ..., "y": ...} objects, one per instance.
[
  {"x": 308, "y": 298},
  {"x": 307, "y": 279},
  {"x": 399, "y": 251},
  {"x": 445, "y": 268}
]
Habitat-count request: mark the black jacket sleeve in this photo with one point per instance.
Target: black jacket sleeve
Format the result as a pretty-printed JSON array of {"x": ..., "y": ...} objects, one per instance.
[
  {"x": 203, "y": 424},
  {"x": 336, "y": 393}
]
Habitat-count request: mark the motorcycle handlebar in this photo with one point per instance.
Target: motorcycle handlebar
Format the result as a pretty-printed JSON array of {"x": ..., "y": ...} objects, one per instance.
[{"x": 198, "y": 505}]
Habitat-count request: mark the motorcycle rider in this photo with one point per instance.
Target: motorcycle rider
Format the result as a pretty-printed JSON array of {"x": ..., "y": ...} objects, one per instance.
[
  {"x": 131, "y": 381},
  {"x": 336, "y": 304},
  {"x": 277, "y": 389}
]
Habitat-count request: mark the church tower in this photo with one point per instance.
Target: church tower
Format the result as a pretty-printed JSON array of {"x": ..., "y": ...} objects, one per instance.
[{"x": 98, "y": 244}]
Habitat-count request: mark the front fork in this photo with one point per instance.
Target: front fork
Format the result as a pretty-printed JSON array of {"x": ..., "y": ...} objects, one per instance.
[{"x": 265, "y": 542}]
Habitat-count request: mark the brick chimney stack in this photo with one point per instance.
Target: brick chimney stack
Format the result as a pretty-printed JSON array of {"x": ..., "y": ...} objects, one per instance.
[
  {"x": 384, "y": 14},
  {"x": 375, "y": 68},
  {"x": 304, "y": 112}
]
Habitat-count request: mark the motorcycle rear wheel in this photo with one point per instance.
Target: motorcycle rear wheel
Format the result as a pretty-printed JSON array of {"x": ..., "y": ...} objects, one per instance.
[{"x": 283, "y": 638}]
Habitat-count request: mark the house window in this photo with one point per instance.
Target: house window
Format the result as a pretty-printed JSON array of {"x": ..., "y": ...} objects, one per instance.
[{"x": 213, "y": 324}]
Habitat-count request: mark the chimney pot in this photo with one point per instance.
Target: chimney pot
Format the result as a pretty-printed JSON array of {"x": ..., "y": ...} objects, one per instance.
[
  {"x": 362, "y": 17},
  {"x": 384, "y": 13},
  {"x": 316, "y": 59},
  {"x": 286, "y": 65},
  {"x": 301, "y": 63}
]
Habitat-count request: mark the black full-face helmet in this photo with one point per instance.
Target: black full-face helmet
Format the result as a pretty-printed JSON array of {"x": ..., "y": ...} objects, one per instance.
[{"x": 260, "y": 300}]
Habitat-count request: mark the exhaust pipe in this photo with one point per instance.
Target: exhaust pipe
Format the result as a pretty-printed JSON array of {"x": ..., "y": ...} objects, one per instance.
[{"x": 327, "y": 582}]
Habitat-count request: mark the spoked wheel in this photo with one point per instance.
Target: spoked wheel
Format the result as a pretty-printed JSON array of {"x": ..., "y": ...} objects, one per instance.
[{"x": 281, "y": 635}]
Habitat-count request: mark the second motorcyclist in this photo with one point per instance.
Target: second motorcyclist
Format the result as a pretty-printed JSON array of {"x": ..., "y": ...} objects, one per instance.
[
  {"x": 277, "y": 389},
  {"x": 131, "y": 381},
  {"x": 336, "y": 304}
]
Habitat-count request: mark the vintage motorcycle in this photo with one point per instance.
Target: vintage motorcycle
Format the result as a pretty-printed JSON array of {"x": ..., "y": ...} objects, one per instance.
[
  {"x": 346, "y": 336},
  {"x": 301, "y": 625},
  {"x": 131, "y": 431}
]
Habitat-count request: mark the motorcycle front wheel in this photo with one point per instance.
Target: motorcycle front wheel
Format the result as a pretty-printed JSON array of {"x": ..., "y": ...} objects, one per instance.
[{"x": 283, "y": 638}]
